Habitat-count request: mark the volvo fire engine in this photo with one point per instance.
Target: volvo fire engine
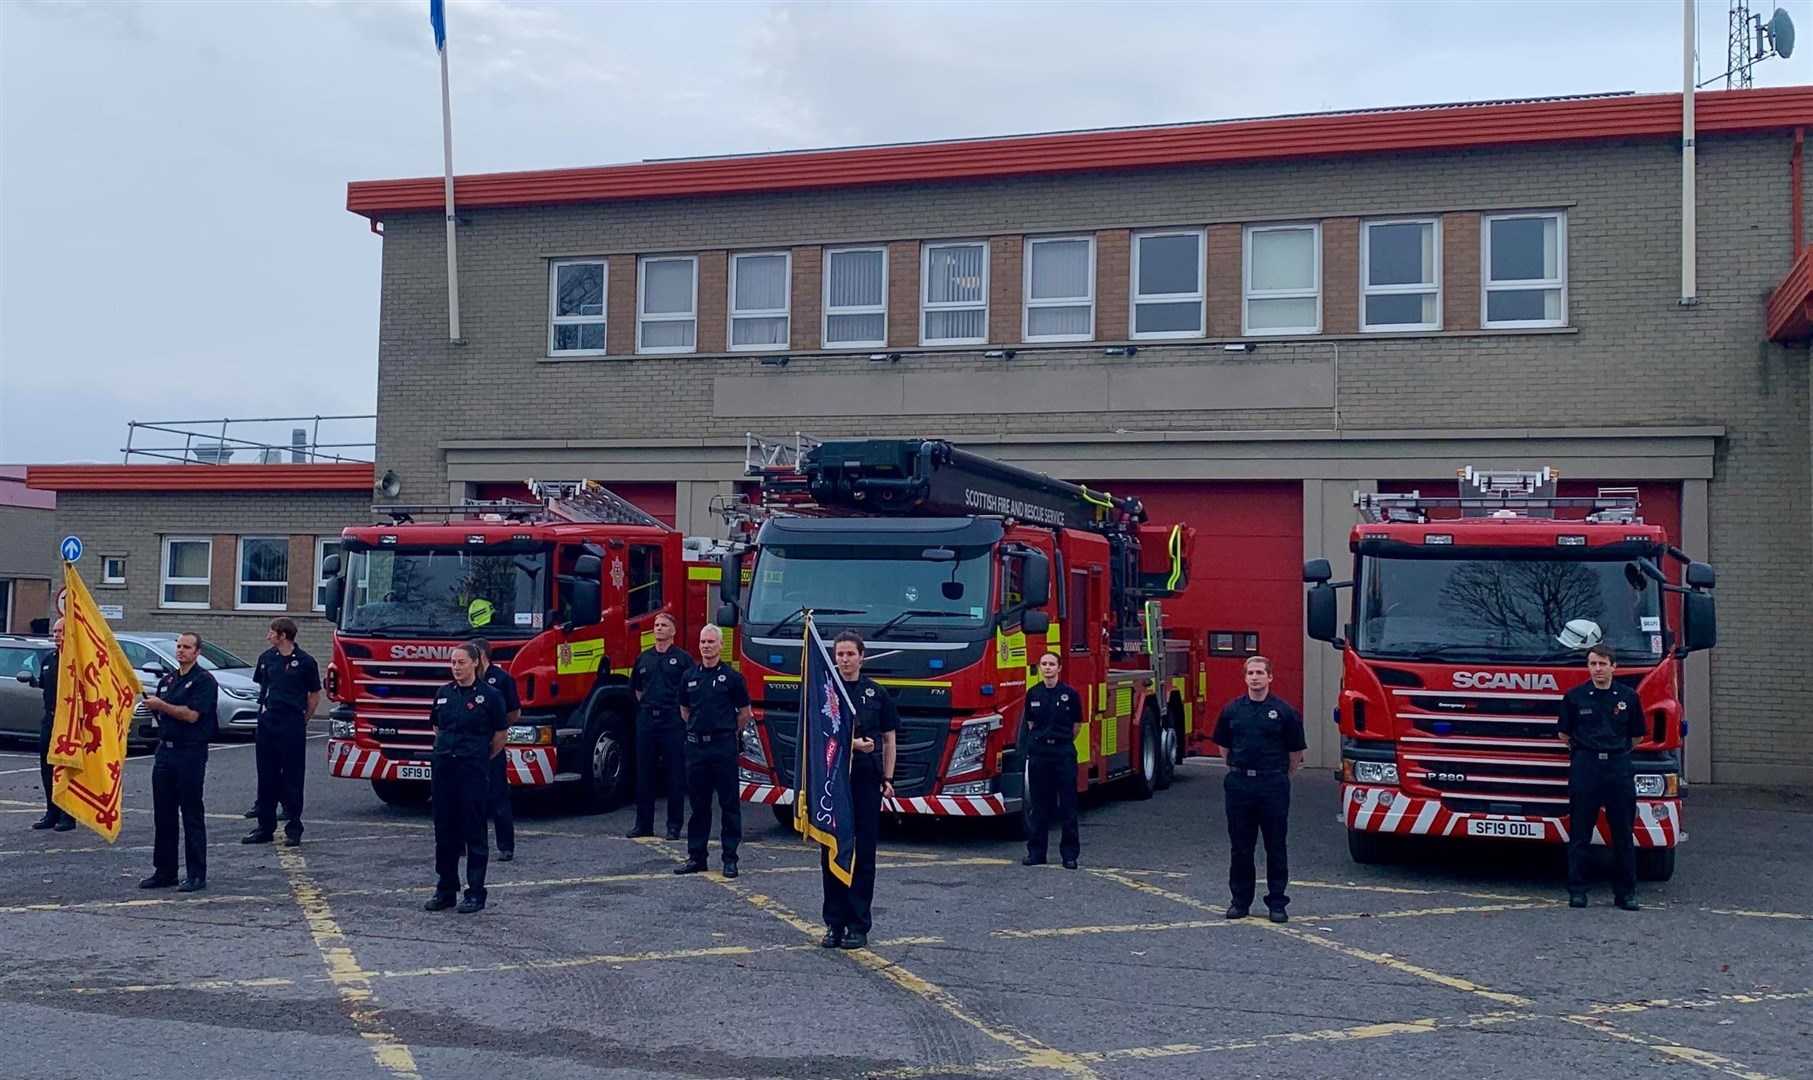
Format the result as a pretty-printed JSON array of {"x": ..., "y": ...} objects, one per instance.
[
  {"x": 566, "y": 590},
  {"x": 959, "y": 572},
  {"x": 1454, "y": 662}
]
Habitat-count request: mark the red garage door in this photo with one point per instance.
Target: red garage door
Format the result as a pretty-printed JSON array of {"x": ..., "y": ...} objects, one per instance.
[
  {"x": 1247, "y": 577},
  {"x": 656, "y": 498}
]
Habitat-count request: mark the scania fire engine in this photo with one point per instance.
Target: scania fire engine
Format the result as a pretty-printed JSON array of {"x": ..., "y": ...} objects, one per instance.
[
  {"x": 566, "y": 590},
  {"x": 1456, "y": 653},
  {"x": 959, "y": 571}
]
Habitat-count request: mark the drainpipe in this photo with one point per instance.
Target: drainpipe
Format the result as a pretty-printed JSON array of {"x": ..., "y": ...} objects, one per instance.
[
  {"x": 1797, "y": 195},
  {"x": 1689, "y": 287}
]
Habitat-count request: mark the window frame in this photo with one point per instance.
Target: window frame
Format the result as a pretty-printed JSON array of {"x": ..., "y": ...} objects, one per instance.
[
  {"x": 1200, "y": 296},
  {"x": 785, "y": 311},
  {"x": 657, "y": 559},
  {"x": 1419, "y": 289},
  {"x": 165, "y": 581},
  {"x": 110, "y": 578},
  {"x": 1487, "y": 286},
  {"x": 1027, "y": 303},
  {"x": 643, "y": 317},
  {"x": 1247, "y": 295},
  {"x": 926, "y": 306},
  {"x": 824, "y": 327},
  {"x": 239, "y": 579},
  {"x": 602, "y": 320},
  {"x": 317, "y": 601}
]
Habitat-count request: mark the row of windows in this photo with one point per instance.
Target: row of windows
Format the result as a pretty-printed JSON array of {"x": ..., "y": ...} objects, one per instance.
[
  {"x": 1523, "y": 263},
  {"x": 262, "y": 581}
]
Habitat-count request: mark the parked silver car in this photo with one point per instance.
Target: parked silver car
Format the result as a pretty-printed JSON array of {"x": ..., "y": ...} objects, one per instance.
[
  {"x": 153, "y": 654},
  {"x": 22, "y": 703}
]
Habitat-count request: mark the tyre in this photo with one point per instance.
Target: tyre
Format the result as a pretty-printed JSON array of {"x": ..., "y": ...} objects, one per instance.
[
  {"x": 1655, "y": 864},
  {"x": 1167, "y": 756},
  {"x": 1145, "y": 777},
  {"x": 1367, "y": 847},
  {"x": 410, "y": 793},
  {"x": 609, "y": 779},
  {"x": 783, "y": 816}
]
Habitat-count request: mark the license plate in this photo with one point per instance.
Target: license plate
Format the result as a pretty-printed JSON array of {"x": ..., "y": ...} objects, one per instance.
[
  {"x": 415, "y": 772},
  {"x": 1510, "y": 830}
]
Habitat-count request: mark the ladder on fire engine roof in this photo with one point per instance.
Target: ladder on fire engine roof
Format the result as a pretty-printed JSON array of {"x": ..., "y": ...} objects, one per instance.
[
  {"x": 588, "y": 500},
  {"x": 1502, "y": 493}
]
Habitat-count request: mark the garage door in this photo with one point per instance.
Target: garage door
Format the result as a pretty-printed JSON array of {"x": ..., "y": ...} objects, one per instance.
[
  {"x": 656, "y": 498},
  {"x": 1247, "y": 577}
]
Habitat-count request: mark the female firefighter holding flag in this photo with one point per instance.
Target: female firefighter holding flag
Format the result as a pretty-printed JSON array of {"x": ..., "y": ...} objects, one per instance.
[{"x": 873, "y": 721}]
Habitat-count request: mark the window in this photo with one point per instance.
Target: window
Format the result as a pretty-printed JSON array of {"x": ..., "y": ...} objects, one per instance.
[
  {"x": 759, "y": 296},
  {"x": 1060, "y": 289},
  {"x": 1525, "y": 275},
  {"x": 644, "y": 581},
  {"x": 1168, "y": 273},
  {"x": 954, "y": 299},
  {"x": 138, "y": 655},
  {"x": 185, "y": 578},
  {"x": 576, "y": 308},
  {"x": 1402, "y": 285},
  {"x": 323, "y": 548},
  {"x": 113, "y": 569},
  {"x": 670, "y": 301},
  {"x": 856, "y": 298},
  {"x": 1283, "y": 280},
  {"x": 264, "y": 572},
  {"x": 1079, "y": 631}
]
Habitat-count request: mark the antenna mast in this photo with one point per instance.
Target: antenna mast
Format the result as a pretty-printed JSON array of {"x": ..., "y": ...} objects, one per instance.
[{"x": 1740, "y": 55}]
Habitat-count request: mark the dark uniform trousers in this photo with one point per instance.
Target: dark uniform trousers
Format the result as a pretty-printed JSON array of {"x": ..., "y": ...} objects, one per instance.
[
  {"x": 462, "y": 789},
  {"x": 177, "y": 773},
  {"x": 660, "y": 754},
  {"x": 501, "y": 809},
  {"x": 45, "y": 769},
  {"x": 281, "y": 746},
  {"x": 848, "y": 907},
  {"x": 1051, "y": 787},
  {"x": 1607, "y": 781},
  {"x": 711, "y": 769},
  {"x": 1257, "y": 805}
]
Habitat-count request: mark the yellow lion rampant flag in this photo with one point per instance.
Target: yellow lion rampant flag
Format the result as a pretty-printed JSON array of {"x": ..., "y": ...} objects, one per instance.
[{"x": 96, "y": 692}]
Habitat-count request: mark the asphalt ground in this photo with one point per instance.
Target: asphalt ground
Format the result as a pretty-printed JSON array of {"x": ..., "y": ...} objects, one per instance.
[{"x": 593, "y": 960}]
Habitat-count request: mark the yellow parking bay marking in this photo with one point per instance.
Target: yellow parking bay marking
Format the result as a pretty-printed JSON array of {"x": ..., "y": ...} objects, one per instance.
[
  {"x": 1760, "y": 914},
  {"x": 351, "y": 982},
  {"x": 1359, "y": 1033},
  {"x": 1703, "y": 1003},
  {"x": 1203, "y": 924},
  {"x": 1692, "y": 1055}
]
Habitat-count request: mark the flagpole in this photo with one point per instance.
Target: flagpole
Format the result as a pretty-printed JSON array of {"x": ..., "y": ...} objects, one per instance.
[{"x": 453, "y": 263}]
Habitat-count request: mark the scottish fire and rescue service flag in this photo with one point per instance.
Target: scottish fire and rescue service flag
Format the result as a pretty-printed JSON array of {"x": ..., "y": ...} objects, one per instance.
[
  {"x": 96, "y": 690},
  {"x": 822, "y": 809},
  {"x": 437, "y": 18}
]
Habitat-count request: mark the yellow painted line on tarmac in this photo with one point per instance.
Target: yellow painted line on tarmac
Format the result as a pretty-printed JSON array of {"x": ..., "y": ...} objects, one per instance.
[
  {"x": 1200, "y": 924},
  {"x": 351, "y": 982},
  {"x": 556, "y": 963},
  {"x": 311, "y": 842},
  {"x": 1705, "y": 1059},
  {"x": 1400, "y": 890},
  {"x": 1701, "y": 1003},
  {"x": 1792, "y": 915},
  {"x": 156, "y": 988},
  {"x": 130, "y": 905},
  {"x": 1358, "y": 1033}
]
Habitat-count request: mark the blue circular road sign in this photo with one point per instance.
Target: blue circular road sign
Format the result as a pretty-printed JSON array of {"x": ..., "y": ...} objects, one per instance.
[{"x": 71, "y": 547}]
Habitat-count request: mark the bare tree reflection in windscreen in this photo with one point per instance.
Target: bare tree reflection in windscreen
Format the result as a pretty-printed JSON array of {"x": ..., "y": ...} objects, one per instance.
[{"x": 1523, "y": 601}]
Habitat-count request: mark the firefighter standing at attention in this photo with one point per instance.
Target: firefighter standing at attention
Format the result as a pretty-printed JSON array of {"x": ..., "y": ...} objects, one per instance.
[
  {"x": 469, "y": 730},
  {"x": 657, "y": 679},
  {"x": 714, "y": 702},
  {"x": 1048, "y": 726},
  {"x": 1261, "y": 739},
  {"x": 848, "y": 909},
  {"x": 1599, "y": 720}
]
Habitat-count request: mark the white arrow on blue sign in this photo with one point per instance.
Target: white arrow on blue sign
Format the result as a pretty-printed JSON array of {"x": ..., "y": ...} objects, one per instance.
[{"x": 71, "y": 547}]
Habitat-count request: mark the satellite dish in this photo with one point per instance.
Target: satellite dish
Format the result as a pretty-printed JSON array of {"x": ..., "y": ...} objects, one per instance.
[{"x": 1781, "y": 33}]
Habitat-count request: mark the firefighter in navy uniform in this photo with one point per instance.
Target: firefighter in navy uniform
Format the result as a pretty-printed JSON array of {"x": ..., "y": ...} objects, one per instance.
[
  {"x": 503, "y": 811},
  {"x": 1599, "y": 720},
  {"x": 657, "y": 679},
  {"x": 469, "y": 730},
  {"x": 848, "y": 909},
  {"x": 55, "y": 817},
  {"x": 714, "y": 703},
  {"x": 289, "y": 688},
  {"x": 1261, "y": 739},
  {"x": 1048, "y": 727},
  {"x": 185, "y": 707}
]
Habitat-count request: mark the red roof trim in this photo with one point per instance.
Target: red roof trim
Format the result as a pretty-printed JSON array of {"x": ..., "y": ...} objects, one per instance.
[
  {"x": 1395, "y": 131},
  {"x": 1790, "y": 312},
  {"x": 354, "y": 476}
]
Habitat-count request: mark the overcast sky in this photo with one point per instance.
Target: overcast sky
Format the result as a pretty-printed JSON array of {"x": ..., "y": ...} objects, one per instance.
[{"x": 173, "y": 238}]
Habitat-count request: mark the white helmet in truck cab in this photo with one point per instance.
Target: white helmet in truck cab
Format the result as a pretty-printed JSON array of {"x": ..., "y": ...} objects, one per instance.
[{"x": 1580, "y": 634}]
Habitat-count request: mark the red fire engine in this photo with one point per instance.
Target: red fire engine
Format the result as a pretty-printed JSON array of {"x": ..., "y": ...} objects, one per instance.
[
  {"x": 1454, "y": 663},
  {"x": 566, "y": 590},
  {"x": 959, "y": 571}
]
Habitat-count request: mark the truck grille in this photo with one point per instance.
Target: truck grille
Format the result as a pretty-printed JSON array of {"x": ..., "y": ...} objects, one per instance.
[
  {"x": 918, "y": 750},
  {"x": 392, "y": 703},
  {"x": 1496, "y": 753}
]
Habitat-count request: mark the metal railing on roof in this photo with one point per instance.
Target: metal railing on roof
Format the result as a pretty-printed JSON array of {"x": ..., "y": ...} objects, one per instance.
[{"x": 233, "y": 440}]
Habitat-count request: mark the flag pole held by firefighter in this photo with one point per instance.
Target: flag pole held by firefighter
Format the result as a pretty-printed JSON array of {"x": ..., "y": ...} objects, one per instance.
[
  {"x": 437, "y": 17},
  {"x": 96, "y": 692}
]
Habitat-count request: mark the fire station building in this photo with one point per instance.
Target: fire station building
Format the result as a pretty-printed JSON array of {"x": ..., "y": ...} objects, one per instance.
[{"x": 1241, "y": 323}]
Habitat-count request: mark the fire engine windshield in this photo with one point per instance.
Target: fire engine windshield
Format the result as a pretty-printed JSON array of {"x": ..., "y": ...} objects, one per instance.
[
  {"x": 895, "y": 587},
  {"x": 444, "y": 593},
  {"x": 1508, "y": 610}
]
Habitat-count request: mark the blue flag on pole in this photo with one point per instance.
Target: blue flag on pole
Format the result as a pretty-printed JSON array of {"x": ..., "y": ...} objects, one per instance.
[
  {"x": 822, "y": 808},
  {"x": 437, "y": 18}
]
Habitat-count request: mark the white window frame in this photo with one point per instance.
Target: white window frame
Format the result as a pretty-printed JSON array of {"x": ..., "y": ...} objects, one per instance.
[
  {"x": 240, "y": 582},
  {"x": 112, "y": 578},
  {"x": 1027, "y": 303},
  {"x": 600, "y": 320},
  {"x": 321, "y": 542},
  {"x": 1487, "y": 286},
  {"x": 165, "y": 580},
  {"x": 785, "y": 311},
  {"x": 1200, "y": 296},
  {"x": 1247, "y": 295},
  {"x": 926, "y": 307},
  {"x": 824, "y": 328},
  {"x": 644, "y": 317},
  {"x": 1419, "y": 289}
]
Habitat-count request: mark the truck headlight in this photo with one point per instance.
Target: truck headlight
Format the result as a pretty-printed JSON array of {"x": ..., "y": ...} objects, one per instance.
[
  {"x": 750, "y": 776},
  {"x": 1656, "y": 785},
  {"x": 972, "y": 745},
  {"x": 1375, "y": 772},
  {"x": 528, "y": 735},
  {"x": 340, "y": 729},
  {"x": 752, "y": 745}
]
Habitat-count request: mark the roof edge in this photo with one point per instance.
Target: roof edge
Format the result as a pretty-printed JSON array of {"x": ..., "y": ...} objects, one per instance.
[{"x": 337, "y": 476}]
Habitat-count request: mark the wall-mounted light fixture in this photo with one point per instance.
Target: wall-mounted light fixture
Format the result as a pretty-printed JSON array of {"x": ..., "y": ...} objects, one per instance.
[
  {"x": 776, "y": 361},
  {"x": 888, "y": 357},
  {"x": 1239, "y": 346},
  {"x": 1122, "y": 350},
  {"x": 999, "y": 354}
]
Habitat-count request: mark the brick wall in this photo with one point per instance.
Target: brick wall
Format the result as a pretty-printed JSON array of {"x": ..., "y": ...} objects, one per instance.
[{"x": 1113, "y": 283}]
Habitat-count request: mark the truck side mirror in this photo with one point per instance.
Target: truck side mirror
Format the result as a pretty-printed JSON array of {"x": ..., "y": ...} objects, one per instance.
[
  {"x": 1321, "y": 614},
  {"x": 589, "y": 568},
  {"x": 588, "y": 599},
  {"x": 730, "y": 581},
  {"x": 330, "y": 566},
  {"x": 1036, "y": 592},
  {"x": 1701, "y": 576},
  {"x": 1317, "y": 571},
  {"x": 727, "y": 615},
  {"x": 335, "y": 597},
  {"x": 1699, "y": 620},
  {"x": 1035, "y": 622}
]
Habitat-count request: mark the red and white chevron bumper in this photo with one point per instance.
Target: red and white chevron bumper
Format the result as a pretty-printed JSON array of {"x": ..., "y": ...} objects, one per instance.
[
  {"x": 1385, "y": 810},
  {"x": 527, "y": 766},
  {"x": 938, "y": 805}
]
